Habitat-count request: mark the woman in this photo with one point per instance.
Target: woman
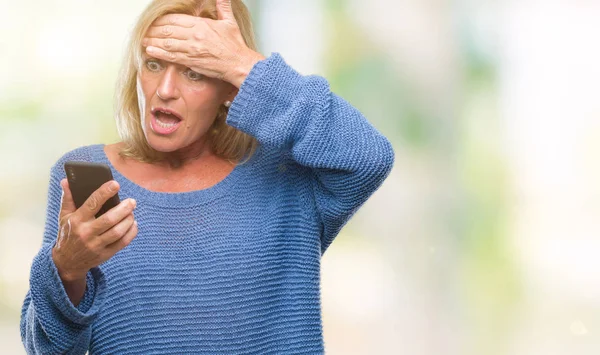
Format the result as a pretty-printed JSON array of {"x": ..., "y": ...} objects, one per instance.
[{"x": 241, "y": 173}]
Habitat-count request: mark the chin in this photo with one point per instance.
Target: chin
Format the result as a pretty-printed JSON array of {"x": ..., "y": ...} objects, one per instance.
[
  {"x": 161, "y": 143},
  {"x": 162, "y": 146}
]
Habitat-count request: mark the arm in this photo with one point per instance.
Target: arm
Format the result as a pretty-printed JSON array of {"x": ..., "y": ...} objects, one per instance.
[
  {"x": 348, "y": 157},
  {"x": 50, "y": 322},
  {"x": 288, "y": 111}
]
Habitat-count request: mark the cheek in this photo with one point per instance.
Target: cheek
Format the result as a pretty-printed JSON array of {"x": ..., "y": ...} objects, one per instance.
[
  {"x": 202, "y": 102},
  {"x": 201, "y": 89},
  {"x": 146, "y": 86}
]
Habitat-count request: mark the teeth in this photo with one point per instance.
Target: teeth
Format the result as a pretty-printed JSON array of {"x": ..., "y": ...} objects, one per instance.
[{"x": 165, "y": 125}]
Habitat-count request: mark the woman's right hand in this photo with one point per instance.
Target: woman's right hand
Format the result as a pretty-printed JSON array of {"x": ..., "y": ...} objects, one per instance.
[{"x": 84, "y": 241}]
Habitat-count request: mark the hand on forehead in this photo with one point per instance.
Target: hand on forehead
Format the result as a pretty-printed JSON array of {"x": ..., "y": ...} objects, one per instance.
[
  {"x": 224, "y": 13},
  {"x": 175, "y": 33},
  {"x": 182, "y": 26},
  {"x": 207, "y": 46},
  {"x": 179, "y": 20},
  {"x": 175, "y": 26}
]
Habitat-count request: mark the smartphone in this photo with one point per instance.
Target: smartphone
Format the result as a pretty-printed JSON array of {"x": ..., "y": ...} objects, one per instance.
[{"x": 85, "y": 178}]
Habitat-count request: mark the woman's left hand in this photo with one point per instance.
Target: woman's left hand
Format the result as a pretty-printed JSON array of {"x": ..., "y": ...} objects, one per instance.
[{"x": 214, "y": 48}]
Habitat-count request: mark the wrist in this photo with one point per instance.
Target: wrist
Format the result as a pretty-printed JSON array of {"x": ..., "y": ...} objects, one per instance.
[
  {"x": 66, "y": 275},
  {"x": 243, "y": 67}
]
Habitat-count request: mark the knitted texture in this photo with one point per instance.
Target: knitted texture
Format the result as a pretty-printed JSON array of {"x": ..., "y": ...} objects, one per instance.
[{"x": 232, "y": 269}]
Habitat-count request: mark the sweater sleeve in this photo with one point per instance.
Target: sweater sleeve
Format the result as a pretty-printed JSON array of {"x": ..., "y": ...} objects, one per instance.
[
  {"x": 50, "y": 323},
  {"x": 348, "y": 157}
]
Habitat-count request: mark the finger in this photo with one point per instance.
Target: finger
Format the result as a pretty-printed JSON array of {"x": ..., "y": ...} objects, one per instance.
[
  {"x": 92, "y": 205},
  {"x": 159, "y": 53},
  {"x": 117, "y": 231},
  {"x": 125, "y": 240},
  {"x": 224, "y": 11},
  {"x": 113, "y": 216},
  {"x": 67, "y": 203},
  {"x": 181, "y": 20},
  {"x": 167, "y": 31},
  {"x": 166, "y": 44}
]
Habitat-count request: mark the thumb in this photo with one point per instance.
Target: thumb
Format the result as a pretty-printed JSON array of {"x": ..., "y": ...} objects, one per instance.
[
  {"x": 224, "y": 11},
  {"x": 67, "y": 204}
]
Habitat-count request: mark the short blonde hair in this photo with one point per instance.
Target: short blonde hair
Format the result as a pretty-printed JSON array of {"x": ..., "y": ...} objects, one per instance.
[{"x": 226, "y": 142}]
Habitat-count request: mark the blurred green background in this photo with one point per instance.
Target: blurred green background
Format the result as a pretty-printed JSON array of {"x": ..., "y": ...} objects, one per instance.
[{"x": 485, "y": 237}]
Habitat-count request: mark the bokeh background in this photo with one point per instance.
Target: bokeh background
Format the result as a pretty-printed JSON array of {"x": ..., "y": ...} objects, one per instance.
[{"x": 485, "y": 239}]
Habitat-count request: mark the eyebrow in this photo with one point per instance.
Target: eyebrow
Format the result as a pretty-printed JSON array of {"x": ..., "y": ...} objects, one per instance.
[{"x": 145, "y": 57}]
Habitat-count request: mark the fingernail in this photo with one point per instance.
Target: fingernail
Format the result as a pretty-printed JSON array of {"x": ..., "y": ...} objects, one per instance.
[
  {"x": 133, "y": 203},
  {"x": 113, "y": 186}
]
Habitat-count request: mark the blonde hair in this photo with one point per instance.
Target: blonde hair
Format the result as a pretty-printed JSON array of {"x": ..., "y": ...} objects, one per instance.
[{"x": 225, "y": 141}]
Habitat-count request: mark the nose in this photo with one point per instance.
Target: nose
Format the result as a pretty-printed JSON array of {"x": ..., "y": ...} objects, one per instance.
[{"x": 167, "y": 86}]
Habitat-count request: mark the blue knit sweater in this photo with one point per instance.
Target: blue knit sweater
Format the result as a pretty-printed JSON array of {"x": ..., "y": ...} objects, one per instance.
[{"x": 232, "y": 269}]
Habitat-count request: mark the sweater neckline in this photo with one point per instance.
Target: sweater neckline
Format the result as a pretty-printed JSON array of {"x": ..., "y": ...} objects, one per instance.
[{"x": 193, "y": 197}]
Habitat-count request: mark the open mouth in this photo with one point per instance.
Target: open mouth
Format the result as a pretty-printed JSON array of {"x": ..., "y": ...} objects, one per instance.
[{"x": 164, "y": 121}]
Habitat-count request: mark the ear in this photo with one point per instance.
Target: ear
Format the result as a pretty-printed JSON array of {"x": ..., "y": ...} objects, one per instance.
[{"x": 232, "y": 93}]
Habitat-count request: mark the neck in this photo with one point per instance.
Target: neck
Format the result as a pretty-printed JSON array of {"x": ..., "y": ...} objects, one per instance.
[{"x": 181, "y": 158}]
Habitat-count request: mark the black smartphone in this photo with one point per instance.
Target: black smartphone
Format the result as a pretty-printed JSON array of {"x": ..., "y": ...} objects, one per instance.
[{"x": 85, "y": 178}]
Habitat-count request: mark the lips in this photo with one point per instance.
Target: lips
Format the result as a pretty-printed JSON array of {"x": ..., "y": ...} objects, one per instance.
[
  {"x": 164, "y": 121},
  {"x": 166, "y": 111}
]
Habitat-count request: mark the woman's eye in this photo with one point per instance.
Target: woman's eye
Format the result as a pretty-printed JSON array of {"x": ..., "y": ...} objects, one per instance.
[
  {"x": 152, "y": 65},
  {"x": 192, "y": 75}
]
